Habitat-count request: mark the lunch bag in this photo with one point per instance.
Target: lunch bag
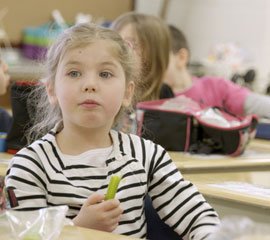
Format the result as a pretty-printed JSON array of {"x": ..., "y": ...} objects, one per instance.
[{"x": 180, "y": 124}]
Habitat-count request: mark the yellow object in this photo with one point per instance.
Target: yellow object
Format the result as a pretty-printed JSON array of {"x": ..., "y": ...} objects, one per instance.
[{"x": 112, "y": 188}]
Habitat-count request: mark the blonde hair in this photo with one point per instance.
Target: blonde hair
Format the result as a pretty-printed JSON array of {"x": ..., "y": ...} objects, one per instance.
[
  {"x": 154, "y": 38},
  {"x": 78, "y": 36}
]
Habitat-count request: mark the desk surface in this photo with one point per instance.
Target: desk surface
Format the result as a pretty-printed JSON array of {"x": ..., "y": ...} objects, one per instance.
[
  {"x": 3, "y": 167},
  {"x": 256, "y": 157},
  {"x": 251, "y": 188},
  {"x": 259, "y": 144},
  {"x": 4, "y": 161},
  {"x": 77, "y": 233},
  {"x": 5, "y": 156},
  {"x": 71, "y": 233}
]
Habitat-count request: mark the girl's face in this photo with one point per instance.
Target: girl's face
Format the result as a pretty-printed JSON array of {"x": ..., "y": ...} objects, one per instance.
[
  {"x": 90, "y": 86},
  {"x": 4, "y": 77},
  {"x": 128, "y": 33}
]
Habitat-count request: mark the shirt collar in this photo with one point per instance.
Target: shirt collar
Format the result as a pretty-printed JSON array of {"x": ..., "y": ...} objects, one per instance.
[{"x": 118, "y": 151}]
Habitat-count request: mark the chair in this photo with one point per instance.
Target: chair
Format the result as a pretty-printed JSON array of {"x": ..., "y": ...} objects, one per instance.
[{"x": 156, "y": 228}]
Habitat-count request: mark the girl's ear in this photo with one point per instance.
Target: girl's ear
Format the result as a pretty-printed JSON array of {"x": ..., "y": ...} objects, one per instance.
[
  {"x": 128, "y": 94},
  {"x": 51, "y": 94},
  {"x": 182, "y": 57}
]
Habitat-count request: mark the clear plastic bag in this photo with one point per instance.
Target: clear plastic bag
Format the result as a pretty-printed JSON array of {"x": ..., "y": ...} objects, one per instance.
[
  {"x": 43, "y": 224},
  {"x": 241, "y": 228}
]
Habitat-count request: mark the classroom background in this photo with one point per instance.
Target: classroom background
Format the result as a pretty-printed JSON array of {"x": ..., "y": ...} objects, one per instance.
[
  {"x": 211, "y": 24},
  {"x": 227, "y": 38}
]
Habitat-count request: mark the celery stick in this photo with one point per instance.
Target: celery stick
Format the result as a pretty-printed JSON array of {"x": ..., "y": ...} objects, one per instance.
[{"x": 112, "y": 188}]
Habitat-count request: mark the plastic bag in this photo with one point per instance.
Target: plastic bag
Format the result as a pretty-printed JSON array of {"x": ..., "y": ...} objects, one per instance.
[
  {"x": 43, "y": 224},
  {"x": 241, "y": 228}
]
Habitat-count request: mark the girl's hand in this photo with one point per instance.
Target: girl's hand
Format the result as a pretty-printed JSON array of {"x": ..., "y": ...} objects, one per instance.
[{"x": 98, "y": 214}]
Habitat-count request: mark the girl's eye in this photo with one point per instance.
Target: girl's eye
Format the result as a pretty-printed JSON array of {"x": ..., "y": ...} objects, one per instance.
[
  {"x": 74, "y": 74},
  {"x": 105, "y": 74}
]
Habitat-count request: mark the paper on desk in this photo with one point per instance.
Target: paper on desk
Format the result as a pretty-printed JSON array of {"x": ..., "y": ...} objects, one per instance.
[
  {"x": 240, "y": 228},
  {"x": 244, "y": 187},
  {"x": 251, "y": 154}
]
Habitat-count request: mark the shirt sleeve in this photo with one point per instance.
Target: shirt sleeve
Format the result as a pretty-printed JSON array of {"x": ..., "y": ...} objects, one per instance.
[
  {"x": 177, "y": 201},
  {"x": 233, "y": 95},
  {"x": 27, "y": 180},
  {"x": 258, "y": 104}
]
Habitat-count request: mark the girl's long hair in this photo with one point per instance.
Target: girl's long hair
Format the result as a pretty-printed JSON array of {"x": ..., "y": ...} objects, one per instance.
[{"x": 155, "y": 43}]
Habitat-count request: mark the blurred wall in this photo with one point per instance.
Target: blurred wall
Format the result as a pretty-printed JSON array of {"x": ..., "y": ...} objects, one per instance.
[
  {"x": 23, "y": 13},
  {"x": 209, "y": 22}
]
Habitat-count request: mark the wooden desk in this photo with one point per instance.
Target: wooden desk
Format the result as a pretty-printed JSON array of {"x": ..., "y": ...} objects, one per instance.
[
  {"x": 77, "y": 233},
  {"x": 255, "y": 157},
  {"x": 5, "y": 156},
  {"x": 259, "y": 144},
  {"x": 71, "y": 233},
  {"x": 3, "y": 167},
  {"x": 236, "y": 193}
]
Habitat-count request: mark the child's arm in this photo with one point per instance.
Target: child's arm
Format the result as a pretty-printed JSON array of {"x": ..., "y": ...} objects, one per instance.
[
  {"x": 25, "y": 185},
  {"x": 257, "y": 104},
  {"x": 178, "y": 202},
  {"x": 4, "y": 77}
]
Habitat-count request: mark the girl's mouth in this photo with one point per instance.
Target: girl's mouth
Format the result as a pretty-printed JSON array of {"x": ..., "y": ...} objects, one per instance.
[{"x": 89, "y": 104}]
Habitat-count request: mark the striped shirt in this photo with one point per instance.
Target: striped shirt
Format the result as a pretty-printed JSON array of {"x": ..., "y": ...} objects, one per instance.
[{"x": 41, "y": 177}]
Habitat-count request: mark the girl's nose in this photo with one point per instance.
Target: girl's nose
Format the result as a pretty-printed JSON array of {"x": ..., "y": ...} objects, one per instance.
[
  {"x": 90, "y": 84},
  {"x": 89, "y": 89}
]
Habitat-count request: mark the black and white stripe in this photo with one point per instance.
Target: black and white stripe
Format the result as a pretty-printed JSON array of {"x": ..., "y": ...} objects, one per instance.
[{"x": 41, "y": 177}]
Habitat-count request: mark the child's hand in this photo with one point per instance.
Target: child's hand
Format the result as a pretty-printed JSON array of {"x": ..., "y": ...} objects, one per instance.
[
  {"x": 4, "y": 77},
  {"x": 98, "y": 214}
]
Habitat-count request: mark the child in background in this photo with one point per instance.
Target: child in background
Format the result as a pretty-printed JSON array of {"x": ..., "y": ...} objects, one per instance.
[
  {"x": 150, "y": 39},
  {"x": 210, "y": 91},
  {"x": 4, "y": 77},
  {"x": 90, "y": 80},
  {"x": 5, "y": 118}
]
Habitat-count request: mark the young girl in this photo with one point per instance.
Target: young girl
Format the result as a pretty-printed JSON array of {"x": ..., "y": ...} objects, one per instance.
[
  {"x": 150, "y": 39},
  {"x": 208, "y": 90},
  {"x": 90, "y": 78}
]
